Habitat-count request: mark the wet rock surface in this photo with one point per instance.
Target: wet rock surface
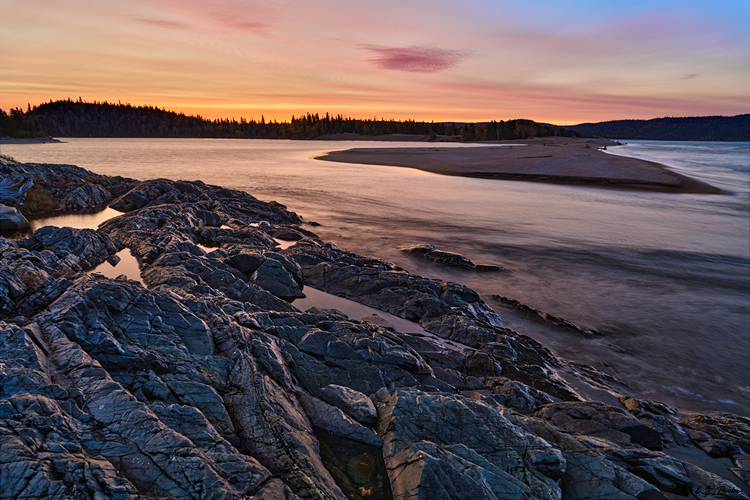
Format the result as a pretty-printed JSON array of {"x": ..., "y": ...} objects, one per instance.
[
  {"x": 452, "y": 259},
  {"x": 209, "y": 383},
  {"x": 62, "y": 188}
]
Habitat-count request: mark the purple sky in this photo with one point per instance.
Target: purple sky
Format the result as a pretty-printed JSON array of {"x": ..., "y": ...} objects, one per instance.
[{"x": 476, "y": 60}]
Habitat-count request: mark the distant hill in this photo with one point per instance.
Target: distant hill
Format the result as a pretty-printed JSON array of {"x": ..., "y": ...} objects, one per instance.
[
  {"x": 68, "y": 118},
  {"x": 698, "y": 128}
]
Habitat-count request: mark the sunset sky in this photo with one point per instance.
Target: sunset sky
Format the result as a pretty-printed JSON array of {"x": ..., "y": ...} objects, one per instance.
[{"x": 555, "y": 61}]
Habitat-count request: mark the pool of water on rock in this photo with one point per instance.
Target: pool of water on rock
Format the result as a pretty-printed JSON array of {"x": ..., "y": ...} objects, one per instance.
[
  {"x": 129, "y": 266},
  {"x": 357, "y": 468}
]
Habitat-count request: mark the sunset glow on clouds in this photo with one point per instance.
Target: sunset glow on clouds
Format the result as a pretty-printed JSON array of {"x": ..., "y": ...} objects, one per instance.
[{"x": 561, "y": 62}]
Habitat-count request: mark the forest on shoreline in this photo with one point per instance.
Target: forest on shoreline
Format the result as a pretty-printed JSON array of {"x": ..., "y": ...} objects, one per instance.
[{"x": 69, "y": 118}]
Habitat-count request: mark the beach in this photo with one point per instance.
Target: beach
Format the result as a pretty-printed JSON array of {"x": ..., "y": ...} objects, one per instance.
[{"x": 569, "y": 161}]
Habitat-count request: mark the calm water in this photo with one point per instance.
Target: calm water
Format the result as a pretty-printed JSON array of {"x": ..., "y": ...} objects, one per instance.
[{"x": 663, "y": 277}]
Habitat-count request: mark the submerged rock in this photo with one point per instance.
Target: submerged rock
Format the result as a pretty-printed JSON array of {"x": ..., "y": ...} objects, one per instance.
[{"x": 429, "y": 252}]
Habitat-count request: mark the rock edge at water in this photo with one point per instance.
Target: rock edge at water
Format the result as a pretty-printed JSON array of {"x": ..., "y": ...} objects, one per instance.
[{"x": 210, "y": 384}]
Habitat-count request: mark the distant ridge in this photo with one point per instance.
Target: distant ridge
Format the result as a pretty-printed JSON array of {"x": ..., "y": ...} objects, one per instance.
[{"x": 696, "y": 128}]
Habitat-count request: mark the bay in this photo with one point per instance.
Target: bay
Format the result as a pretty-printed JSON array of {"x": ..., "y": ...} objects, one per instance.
[{"x": 663, "y": 278}]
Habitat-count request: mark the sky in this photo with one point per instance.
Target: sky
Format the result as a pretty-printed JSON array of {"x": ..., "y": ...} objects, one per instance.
[{"x": 555, "y": 61}]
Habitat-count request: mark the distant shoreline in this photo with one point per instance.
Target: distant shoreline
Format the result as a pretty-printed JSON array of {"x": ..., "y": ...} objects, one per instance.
[
  {"x": 553, "y": 160},
  {"x": 34, "y": 140}
]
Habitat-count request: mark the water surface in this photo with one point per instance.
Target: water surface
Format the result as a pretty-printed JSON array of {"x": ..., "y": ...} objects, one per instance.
[{"x": 663, "y": 277}]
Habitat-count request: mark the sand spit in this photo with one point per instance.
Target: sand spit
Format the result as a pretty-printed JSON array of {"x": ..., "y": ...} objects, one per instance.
[{"x": 569, "y": 161}]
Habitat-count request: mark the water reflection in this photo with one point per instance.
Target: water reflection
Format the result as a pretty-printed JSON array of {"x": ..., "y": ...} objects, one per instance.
[
  {"x": 76, "y": 221},
  {"x": 357, "y": 468},
  {"x": 354, "y": 310},
  {"x": 127, "y": 266}
]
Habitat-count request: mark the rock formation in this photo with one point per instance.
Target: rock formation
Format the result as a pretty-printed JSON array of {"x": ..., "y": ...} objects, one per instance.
[
  {"x": 12, "y": 220},
  {"x": 452, "y": 259},
  {"x": 210, "y": 383}
]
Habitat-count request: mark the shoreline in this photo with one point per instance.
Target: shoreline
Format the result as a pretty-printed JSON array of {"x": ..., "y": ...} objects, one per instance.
[
  {"x": 560, "y": 161},
  {"x": 33, "y": 140}
]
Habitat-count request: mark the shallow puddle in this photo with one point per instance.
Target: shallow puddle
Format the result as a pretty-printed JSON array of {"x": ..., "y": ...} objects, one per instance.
[
  {"x": 357, "y": 468},
  {"x": 284, "y": 244},
  {"x": 206, "y": 248},
  {"x": 128, "y": 266},
  {"x": 354, "y": 310},
  {"x": 76, "y": 221}
]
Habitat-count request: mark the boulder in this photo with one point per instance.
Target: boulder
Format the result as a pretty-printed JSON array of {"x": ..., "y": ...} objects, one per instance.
[
  {"x": 271, "y": 275},
  {"x": 597, "y": 419},
  {"x": 450, "y": 446},
  {"x": 353, "y": 403},
  {"x": 88, "y": 195},
  {"x": 429, "y": 252},
  {"x": 588, "y": 477},
  {"x": 331, "y": 419},
  {"x": 12, "y": 220}
]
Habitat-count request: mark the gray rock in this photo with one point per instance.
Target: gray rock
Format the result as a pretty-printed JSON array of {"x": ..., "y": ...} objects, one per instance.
[
  {"x": 589, "y": 477},
  {"x": 331, "y": 419},
  {"x": 732, "y": 428},
  {"x": 353, "y": 403},
  {"x": 272, "y": 276},
  {"x": 517, "y": 395},
  {"x": 602, "y": 421},
  {"x": 501, "y": 460},
  {"x": 661, "y": 418},
  {"x": 86, "y": 196},
  {"x": 429, "y": 252},
  {"x": 12, "y": 220},
  {"x": 207, "y": 385},
  {"x": 742, "y": 467},
  {"x": 246, "y": 262}
]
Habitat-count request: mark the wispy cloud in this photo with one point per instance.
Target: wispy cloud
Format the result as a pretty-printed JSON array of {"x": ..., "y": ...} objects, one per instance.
[
  {"x": 414, "y": 59},
  {"x": 242, "y": 25},
  {"x": 161, "y": 23},
  {"x": 689, "y": 76}
]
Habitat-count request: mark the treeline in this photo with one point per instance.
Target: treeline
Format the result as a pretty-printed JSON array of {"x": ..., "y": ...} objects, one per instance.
[
  {"x": 699, "y": 128},
  {"x": 70, "y": 118},
  {"x": 17, "y": 125}
]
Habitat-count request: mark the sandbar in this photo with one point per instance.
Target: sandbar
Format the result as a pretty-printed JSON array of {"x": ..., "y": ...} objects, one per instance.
[{"x": 568, "y": 161}]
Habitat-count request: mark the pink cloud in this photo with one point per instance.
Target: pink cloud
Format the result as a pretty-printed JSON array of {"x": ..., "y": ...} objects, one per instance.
[
  {"x": 241, "y": 24},
  {"x": 164, "y": 24},
  {"x": 414, "y": 59}
]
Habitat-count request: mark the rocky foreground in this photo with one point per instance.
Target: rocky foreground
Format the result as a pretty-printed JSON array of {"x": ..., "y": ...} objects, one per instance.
[{"x": 209, "y": 383}]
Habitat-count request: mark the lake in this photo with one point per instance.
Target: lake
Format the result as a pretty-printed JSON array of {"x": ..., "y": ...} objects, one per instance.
[{"x": 664, "y": 278}]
